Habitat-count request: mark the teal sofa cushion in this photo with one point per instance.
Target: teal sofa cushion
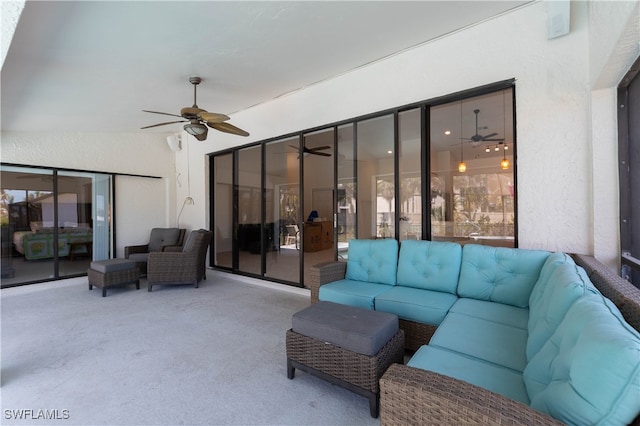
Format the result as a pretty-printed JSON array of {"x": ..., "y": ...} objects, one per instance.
[
  {"x": 499, "y": 274},
  {"x": 588, "y": 372},
  {"x": 492, "y": 311},
  {"x": 495, "y": 378},
  {"x": 487, "y": 340},
  {"x": 373, "y": 261},
  {"x": 413, "y": 304},
  {"x": 430, "y": 265},
  {"x": 565, "y": 285},
  {"x": 554, "y": 259},
  {"x": 352, "y": 293}
]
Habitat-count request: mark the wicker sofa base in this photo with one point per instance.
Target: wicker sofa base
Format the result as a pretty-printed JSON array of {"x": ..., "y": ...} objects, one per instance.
[
  {"x": 356, "y": 372},
  {"x": 411, "y": 396},
  {"x": 416, "y": 334},
  {"x": 113, "y": 279}
]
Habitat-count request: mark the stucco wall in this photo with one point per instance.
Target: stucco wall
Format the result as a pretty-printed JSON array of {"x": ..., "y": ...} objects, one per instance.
[
  {"x": 141, "y": 203},
  {"x": 559, "y": 118},
  {"x": 555, "y": 121}
]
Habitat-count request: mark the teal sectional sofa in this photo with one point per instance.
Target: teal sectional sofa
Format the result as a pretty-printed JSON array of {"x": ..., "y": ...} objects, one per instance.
[{"x": 516, "y": 336}]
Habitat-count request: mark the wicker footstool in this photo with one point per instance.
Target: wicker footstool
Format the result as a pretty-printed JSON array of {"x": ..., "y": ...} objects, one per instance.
[
  {"x": 347, "y": 346},
  {"x": 113, "y": 273}
]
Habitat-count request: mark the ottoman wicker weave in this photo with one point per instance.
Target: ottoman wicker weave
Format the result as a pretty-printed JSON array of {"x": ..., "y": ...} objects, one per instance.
[
  {"x": 347, "y": 346},
  {"x": 113, "y": 273}
]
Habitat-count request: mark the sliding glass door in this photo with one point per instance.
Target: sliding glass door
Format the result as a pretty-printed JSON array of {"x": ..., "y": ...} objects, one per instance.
[
  {"x": 435, "y": 171},
  {"x": 319, "y": 197},
  {"x": 376, "y": 181},
  {"x": 223, "y": 210},
  {"x": 283, "y": 212},
  {"x": 249, "y": 219},
  {"x": 53, "y": 223}
]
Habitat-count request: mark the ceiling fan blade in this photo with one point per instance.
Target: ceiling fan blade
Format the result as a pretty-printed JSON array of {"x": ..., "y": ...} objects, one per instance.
[
  {"x": 490, "y": 135},
  {"x": 323, "y": 154},
  {"x": 493, "y": 140},
  {"x": 163, "y": 113},
  {"x": 163, "y": 124},
  {"x": 228, "y": 128},
  {"x": 319, "y": 148},
  {"x": 213, "y": 117}
]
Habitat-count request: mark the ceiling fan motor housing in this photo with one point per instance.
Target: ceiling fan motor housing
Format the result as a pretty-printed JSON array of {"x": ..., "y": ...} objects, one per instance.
[{"x": 191, "y": 113}]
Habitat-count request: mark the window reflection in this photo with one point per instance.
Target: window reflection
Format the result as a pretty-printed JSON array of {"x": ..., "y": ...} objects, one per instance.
[
  {"x": 375, "y": 169},
  {"x": 475, "y": 205},
  {"x": 48, "y": 223},
  {"x": 283, "y": 209}
]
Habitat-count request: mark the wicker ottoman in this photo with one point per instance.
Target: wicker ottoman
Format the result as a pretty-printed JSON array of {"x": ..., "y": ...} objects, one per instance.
[
  {"x": 347, "y": 346},
  {"x": 113, "y": 273}
]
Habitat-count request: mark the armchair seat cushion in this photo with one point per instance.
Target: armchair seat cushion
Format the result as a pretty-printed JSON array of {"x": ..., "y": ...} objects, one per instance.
[{"x": 139, "y": 257}]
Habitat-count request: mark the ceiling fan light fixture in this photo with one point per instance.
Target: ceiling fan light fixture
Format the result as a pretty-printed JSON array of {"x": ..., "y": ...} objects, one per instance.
[{"x": 195, "y": 129}]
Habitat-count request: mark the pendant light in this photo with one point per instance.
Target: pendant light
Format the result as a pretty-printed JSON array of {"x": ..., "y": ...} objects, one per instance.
[
  {"x": 462, "y": 166},
  {"x": 504, "y": 164}
]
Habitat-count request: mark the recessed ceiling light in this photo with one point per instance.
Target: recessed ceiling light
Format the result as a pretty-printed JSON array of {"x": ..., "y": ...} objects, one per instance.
[
  {"x": 389, "y": 152},
  {"x": 447, "y": 132}
]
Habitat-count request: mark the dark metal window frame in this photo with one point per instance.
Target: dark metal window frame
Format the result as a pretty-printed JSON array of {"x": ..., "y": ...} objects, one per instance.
[
  {"x": 55, "y": 171},
  {"x": 624, "y": 156},
  {"x": 424, "y": 106}
]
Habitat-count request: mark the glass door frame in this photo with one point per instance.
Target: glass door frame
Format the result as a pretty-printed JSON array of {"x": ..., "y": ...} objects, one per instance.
[{"x": 56, "y": 174}]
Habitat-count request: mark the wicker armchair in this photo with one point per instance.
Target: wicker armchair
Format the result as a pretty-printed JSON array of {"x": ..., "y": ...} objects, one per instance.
[
  {"x": 186, "y": 266},
  {"x": 160, "y": 239}
]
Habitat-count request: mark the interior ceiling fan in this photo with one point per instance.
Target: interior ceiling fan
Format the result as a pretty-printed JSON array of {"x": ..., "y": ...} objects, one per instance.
[
  {"x": 314, "y": 151},
  {"x": 477, "y": 139},
  {"x": 196, "y": 116}
]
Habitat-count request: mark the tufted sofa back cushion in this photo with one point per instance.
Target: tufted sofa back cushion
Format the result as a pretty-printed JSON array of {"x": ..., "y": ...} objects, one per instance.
[
  {"x": 374, "y": 261},
  {"x": 588, "y": 372},
  {"x": 566, "y": 283},
  {"x": 500, "y": 274},
  {"x": 550, "y": 265},
  {"x": 430, "y": 265}
]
